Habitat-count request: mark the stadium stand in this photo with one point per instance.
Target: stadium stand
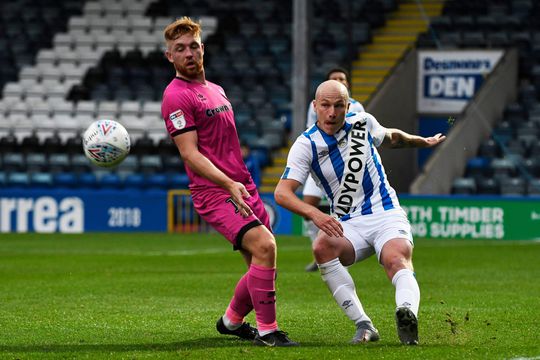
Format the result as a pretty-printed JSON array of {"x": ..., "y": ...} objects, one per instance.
[
  {"x": 506, "y": 163},
  {"x": 67, "y": 63}
]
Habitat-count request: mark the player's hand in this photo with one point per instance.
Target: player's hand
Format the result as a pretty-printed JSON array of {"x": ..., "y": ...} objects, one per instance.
[
  {"x": 328, "y": 224},
  {"x": 238, "y": 194},
  {"x": 434, "y": 140}
]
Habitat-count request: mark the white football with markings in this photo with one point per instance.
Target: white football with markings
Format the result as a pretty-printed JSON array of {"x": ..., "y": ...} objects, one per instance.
[{"x": 106, "y": 143}]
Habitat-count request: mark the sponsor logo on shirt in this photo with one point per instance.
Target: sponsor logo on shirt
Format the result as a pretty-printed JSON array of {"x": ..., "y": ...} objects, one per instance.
[
  {"x": 215, "y": 111},
  {"x": 177, "y": 119},
  {"x": 323, "y": 153}
]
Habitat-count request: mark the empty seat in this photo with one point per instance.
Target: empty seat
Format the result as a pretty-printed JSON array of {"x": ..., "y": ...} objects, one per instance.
[
  {"x": 503, "y": 167},
  {"x": 88, "y": 180},
  {"x": 474, "y": 39},
  {"x": 79, "y": 163},
  {"x": 65, "y": 180},
  {"x": 136, "y": 181},
  {"x": 41, "y": 180},
  {"x": 59, "y": 162},
  {"x": 110, "y": 181},
  {"x": 36, "y": 162},
  {"x": 172, "y": 164},
  {"x": 512, "y": 186},
  {"x": 489, "y": 149},
  {"x": 13, "y": 162},
  {"x": 487, "y": 186},
  {"x": 178, "y": 181},
  {"x": 18, "y": 179},
  {"x": 150, "y": 164},
  {"x": 464, "y": 186},
  {"x": 533, "y": 187},
  {"x": 157, "y": 181}
]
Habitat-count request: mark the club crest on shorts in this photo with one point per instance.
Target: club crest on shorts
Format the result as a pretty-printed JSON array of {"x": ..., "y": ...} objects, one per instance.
[{"x": 177, "y": 119}]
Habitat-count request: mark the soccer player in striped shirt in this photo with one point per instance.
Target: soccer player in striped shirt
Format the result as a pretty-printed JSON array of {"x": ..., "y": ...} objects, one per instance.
[
  {"x": 339, "y": 151},
  {"x": 199, "y": 117},
  {"x": 311, "y": 193}
]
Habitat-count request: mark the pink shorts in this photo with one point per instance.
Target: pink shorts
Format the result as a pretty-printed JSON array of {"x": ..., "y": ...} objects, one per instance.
[{"x": 216, "y": 208}]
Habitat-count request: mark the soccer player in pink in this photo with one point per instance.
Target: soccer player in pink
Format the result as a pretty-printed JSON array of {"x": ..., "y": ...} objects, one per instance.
[{"x": 200, "y": 119}]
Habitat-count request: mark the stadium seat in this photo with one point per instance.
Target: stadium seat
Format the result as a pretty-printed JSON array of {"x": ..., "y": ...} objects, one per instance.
[
  {"x": 88, "y": 180},
  {"x": 512, "y": 186},
  {"x": 110, "y": 181},
  {"x": 65, "y": 180},
  {"x": 533, "y": 187},
  {"x": 178, "y": 181},
  {"x": 59, "y": 162},
  {"x": 478, "y": 167},
  {"x": 487, "y": 186},
  {"x": 172, "y": 163},
  {"x": 13, "y": 162},
  {"x": 41, "y": 180},
  {"x": 150, "y": 164},
  {"x": 135, "y": 181},
  {"x": 36, "y": 162},
  {"x": 489, "y": 149},
  {"x": 3, "y": 178},
  {"x": 503, "y": 167},
  {"x": 157, "y": 181},
  {"x": 18, "y": 179}
]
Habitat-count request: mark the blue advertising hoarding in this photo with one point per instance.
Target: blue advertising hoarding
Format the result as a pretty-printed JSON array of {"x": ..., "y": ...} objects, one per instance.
[{"x": 33, "y": 210}]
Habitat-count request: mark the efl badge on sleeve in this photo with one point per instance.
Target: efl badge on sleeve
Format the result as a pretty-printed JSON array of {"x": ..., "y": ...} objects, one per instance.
[{"x": 177, "y": 119}]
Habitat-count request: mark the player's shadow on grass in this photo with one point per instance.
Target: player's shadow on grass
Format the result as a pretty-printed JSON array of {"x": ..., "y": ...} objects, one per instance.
[
  {"x": 187, "y": 345},
  {"x": 200, "y": 343}
]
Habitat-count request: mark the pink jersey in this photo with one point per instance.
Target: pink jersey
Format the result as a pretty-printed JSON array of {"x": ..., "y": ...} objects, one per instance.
[{"x": 191, "y": 106}]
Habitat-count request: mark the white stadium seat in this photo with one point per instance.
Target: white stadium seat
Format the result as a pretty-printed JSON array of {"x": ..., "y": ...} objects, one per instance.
[{"x": 86, "y": 107}]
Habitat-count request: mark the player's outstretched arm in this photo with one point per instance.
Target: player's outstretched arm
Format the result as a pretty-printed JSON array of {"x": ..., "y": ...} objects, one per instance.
[
  {"x": 396, "y": 139},
  {"x": 286, "y": 197},
  {"x": 187, "y": 146}
]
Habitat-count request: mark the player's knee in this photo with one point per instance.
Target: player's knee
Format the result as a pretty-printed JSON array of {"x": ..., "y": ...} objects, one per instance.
[
  {"x": 395, "y": 262},
  {"x": 323, "y": 247},
  {"x": 266, "y": 249}
]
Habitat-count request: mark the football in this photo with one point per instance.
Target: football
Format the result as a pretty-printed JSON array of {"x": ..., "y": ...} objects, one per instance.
[{"x": 106, "y": 143}]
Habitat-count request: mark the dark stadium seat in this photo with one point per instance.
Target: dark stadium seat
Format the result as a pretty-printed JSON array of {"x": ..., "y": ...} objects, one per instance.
[
  {"x": 13, "y": 161},
  {"x": 18, "y": 179},
  {"x": 478, "y": 167},
  {"x": 36, "y": 162},
  {"x": 65, "y": 180},
  {"x": 464, "y": 186},
  {"x": 41, "y": 180},
  {"x": 59, "y": 162},
  {"x": 489, "y": 149},
  {"x": 135, "y": 181},
  {"x": 533, "y": 187},
  {"x": 178, "y": 181},
  {"x": 110, "y": 181},
  {"x": 513, "y": 186},
  {"x": 532, "y": 166},
  {"x": 150, "y": 164},
  {"x": 88, "y": 180},
  {"x": 157, "y": 181},
  {"x": 487, "y": 186},
  {"x": 503, "y": 168}
]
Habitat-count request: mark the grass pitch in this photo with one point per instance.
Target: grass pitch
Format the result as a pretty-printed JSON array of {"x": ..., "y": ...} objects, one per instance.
[{"x": 138, "y": 296}]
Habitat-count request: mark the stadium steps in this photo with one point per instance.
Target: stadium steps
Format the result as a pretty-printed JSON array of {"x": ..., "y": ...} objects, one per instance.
[
  {"x": 271, "y": 174},
  {"x": 389, "y": 44}
]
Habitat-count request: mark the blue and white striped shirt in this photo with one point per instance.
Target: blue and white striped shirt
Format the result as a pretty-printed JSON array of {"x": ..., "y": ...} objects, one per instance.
[{"x": 345, "y": 165}]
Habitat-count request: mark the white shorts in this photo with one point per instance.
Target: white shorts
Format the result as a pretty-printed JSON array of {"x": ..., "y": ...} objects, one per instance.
[
  {"x": 369, "y": 233},
  {"x": 311, "y": 188}
]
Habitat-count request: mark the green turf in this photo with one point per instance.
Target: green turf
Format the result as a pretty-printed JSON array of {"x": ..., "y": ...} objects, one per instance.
[{"x": 136, "y": 296}]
